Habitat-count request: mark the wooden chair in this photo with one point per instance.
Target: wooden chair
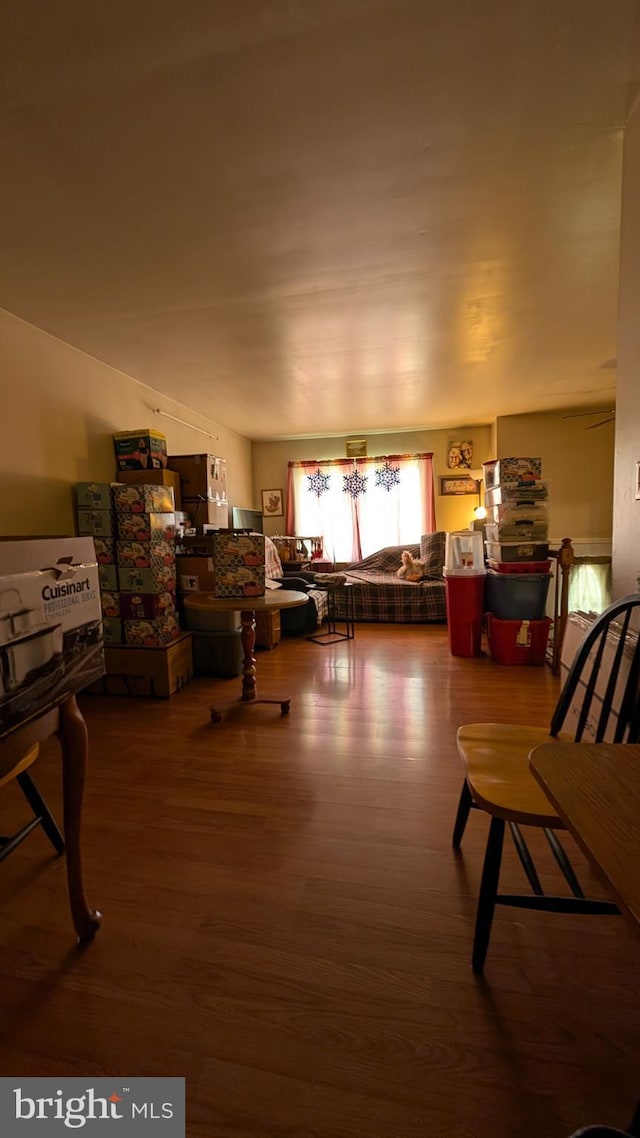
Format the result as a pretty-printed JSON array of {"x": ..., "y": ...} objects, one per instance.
[
  {"x": 498, "y": 781},
  {"x": 41, "y": 814},
  {"x": 603, "y": 1132}
]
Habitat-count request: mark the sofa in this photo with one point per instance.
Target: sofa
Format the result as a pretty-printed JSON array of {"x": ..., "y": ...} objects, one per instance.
[{"x": 379, "y": 595}]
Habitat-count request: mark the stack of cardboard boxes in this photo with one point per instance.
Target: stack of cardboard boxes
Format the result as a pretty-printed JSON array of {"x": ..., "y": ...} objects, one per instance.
[
  {"x": 203, "y": 487},
  {"x": 133, "y": 528},
  {"x": 517, "y": 581},
  {"x": 225, "y": 565},
  {"x": 141, "y": 458},
  {"x": 198, "y": 481},
  {"x": 134, "y": 522}
]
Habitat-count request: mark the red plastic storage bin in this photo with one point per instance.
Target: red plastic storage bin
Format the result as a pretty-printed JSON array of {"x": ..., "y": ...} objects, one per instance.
[
  {"x": 518, "y": 641},
  {"x": 465, "y": 607}
]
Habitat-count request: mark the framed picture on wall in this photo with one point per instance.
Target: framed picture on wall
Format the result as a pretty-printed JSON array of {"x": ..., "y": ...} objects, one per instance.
[
  {"x": 460, "y": 454},
  {"x": 356, "y": 448},
  {"x": 272, "y": 504},
  {"x": 450, "y": 486}
]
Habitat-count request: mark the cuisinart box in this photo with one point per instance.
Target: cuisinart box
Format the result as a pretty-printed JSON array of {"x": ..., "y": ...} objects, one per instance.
[{"x": 50, "y": 625}]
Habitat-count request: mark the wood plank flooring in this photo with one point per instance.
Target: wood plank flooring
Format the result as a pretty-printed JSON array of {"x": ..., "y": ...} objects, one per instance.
[{"x": 285, "y": 922}]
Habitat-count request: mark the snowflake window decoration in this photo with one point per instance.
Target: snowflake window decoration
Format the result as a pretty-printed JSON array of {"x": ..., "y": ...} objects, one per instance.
[
  {"x": 354, "y": 484},
  {"x": 318, "y": 483},
  {"x": 387, "y": 476}
]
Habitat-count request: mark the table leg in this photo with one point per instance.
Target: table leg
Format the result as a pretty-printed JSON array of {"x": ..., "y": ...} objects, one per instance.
[
  {"x": 249, "y": 684},
  {"x": 333, "y": 634},
  {"x": 248, "y": 638},
  {"x": 72, "y": 733}
]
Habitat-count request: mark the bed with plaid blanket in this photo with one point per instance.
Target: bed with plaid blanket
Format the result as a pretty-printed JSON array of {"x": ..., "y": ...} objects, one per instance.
[{"x": 380, "y": 595}]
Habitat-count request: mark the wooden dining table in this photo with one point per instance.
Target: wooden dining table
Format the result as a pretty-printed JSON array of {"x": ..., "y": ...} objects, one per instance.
[{"x": 595, "y": 788}]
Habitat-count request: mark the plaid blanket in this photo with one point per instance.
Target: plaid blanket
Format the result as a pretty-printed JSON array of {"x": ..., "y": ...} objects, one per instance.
[
  {"x": 380, "y": 595},
  {"x": 319, "y": 598}
]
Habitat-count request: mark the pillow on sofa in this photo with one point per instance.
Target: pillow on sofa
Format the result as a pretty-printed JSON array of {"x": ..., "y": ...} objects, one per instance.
[
  {"x": 432, "y": 553},
  {"x": 273, "y": 564}
]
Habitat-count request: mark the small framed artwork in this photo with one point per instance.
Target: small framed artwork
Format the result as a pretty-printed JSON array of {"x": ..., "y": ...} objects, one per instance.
[
  {"x": 272, "y": 506},
  {"x": 356, "y": 448},
  {"x": 460, "y": 455},
  {"x": 450, "y": 486}
]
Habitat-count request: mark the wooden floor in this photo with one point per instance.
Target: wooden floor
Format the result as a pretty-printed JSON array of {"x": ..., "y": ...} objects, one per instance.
[{"x": 286, "y": 925}]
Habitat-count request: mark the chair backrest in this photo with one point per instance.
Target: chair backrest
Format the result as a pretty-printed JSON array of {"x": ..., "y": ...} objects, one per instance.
[{"x": 600, "y": 700}]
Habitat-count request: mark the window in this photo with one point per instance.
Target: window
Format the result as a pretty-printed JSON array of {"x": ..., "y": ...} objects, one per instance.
[{"x": 362, "y": 505}]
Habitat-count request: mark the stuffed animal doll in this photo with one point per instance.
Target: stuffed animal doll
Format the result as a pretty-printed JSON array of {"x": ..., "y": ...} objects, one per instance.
[{"x": 410, "y": 570}]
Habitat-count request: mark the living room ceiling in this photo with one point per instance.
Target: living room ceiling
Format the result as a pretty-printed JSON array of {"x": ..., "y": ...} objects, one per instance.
[{"x": 307, "y": 217}]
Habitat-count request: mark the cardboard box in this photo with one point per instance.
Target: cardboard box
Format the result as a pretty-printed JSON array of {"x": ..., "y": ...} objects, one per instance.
[
  {"x": 239, "y": 560},
  {"x": 146, "y": 527},
  {"x": 511, "y": 472},
  {"x": 94, "y": 495},
  {"x": 51, "y": 643},
  {"x": 143, "y": 606},
  {"x": 149, "y": 672},
  {"x": 195, "y": 574},
  {"x": 140, "y": 450},
  {"x": 110, "y": 604},
  {"x": 233, "y": 567},
  {"x": 268, "y": 630},
  {"x": 201, "y": 475},
  {"x": 152, "y": 633},
  {"x": 105, "y": 548},
  {"x": 144, "y": 499},
  {"x": 154, "y": 554},
  {"x": 207, "y": 513},
  {"x": 108, "y": 577},
  {"x": 154, "y": 478},
  {"x": 577, "y": 626},
  {"x": 113, "y": 631},
  {"x": 98, "y": 523},
  {"x": 158, "y": 579}
]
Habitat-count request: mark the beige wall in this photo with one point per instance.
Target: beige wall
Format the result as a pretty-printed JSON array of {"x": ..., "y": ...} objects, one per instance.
[
  {"x": 270, "y": 464},
  {"x": 578, "y": 464},
  {"x": 626, "y": 518},
  {"x": 59, "y": 410}
]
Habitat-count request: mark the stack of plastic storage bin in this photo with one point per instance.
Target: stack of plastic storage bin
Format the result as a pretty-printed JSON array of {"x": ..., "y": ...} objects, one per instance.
[
  {"x": 464, "y": 573},
  {"x": 517, "y": 528}
]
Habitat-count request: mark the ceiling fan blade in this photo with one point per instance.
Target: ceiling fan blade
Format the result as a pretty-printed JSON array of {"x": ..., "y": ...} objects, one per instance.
[{"x": 586, "y": 414}]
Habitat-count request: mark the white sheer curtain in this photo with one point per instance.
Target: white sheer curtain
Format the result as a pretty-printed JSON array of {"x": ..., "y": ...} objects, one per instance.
[
  {"x": 396, "y": 507},
  {"x": 590, "y": 584}
]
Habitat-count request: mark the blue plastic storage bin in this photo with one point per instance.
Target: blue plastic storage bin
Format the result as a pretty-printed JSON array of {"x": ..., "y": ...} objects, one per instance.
[{"x": 516, "y": 596}]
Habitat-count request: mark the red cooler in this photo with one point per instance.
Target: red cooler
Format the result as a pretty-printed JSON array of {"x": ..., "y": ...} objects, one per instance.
[{"x": 465, "y": 608}]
